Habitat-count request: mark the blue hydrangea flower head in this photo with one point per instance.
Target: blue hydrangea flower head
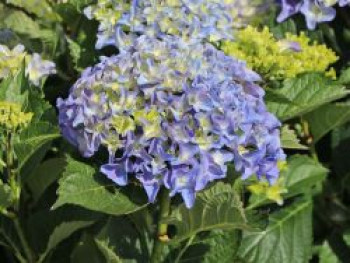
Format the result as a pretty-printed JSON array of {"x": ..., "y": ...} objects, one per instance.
[
  {"x": 172, "y": 113},
  {"x": 192, "y": 20},
  {"x": 315, "y": 11}
]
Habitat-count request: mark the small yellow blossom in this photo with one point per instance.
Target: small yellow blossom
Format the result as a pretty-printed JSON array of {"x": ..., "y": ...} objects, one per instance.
[
  {"x": 271, "y": 192},
  {"x": 12, "y": 119}
]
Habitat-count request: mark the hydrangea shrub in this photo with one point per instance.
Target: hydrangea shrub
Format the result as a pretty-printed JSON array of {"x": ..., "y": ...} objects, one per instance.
[{"x": 174, "y": 131}]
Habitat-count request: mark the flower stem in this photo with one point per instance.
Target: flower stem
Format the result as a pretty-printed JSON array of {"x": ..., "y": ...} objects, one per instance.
[
  {"x": 13, "y": 181},
  {"x": 162, "y": 228},
  {"x": 309, "y": 139},
  {"x": 27, "y": 251}
]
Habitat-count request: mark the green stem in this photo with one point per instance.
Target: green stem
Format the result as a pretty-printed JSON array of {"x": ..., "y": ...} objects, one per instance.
[
  {"x": 309, "y": 138},
  {"x": 27, "y": 251},
  {"x": 162, "y": 228},
  {"x": 9, "y": 156},
  {"x": 13, "y": 181},
  {"x": 12, "y": 177}
]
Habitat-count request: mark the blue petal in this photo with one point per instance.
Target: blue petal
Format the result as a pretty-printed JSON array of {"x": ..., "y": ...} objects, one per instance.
[{"x": 116, "y": 172}]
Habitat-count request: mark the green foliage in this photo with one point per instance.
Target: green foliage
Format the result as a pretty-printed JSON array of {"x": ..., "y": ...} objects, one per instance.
[
  {"x": 32, "y": 138},
  {"x": 87, "y": 251},
  {"x": 217, "y": 245},
  {"x": 40, "y": 8},
  {"x": 15, "y": 88},
  {"x": 289, "y": 139},
  {"x": 216, "y": 208},
  {"x": 60, "y": 233},
  {"x": 286, "y": 239},
  {"x": 44, "y": 176},
  {"x": 303, "y": 174},
  {"x": 326, "y": 118},
  {"x": 306, "y": 92},
  {"x": 35, "y": 33},
  {"x": 345, "y": 77},
  {"x": 326, "y": 254},
  {"x": 121, "y": 244},
  {"x": 9, "y": 238},
  {"x": 33, "y": 144},
  {"x": 340, "y": 150},
  {"x": 82, "y": 185}
]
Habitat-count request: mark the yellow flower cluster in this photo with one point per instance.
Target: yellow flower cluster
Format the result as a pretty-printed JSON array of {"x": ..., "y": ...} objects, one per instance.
[
  {"x": 271, "y": 192},
  {"x": 280, "y": 59},
  {"x": 12, "y": 119}
]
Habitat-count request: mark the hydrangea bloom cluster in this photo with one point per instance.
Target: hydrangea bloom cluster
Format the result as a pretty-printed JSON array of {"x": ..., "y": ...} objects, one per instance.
[
  {"x": 315, "y": 11},
  {"x": 246, "y": 12},
  {"x": 107, "y": 12},
  {"x": 192, "y": 20},
  {"x": 172, "y": 114},
  {"x": 36, "y": 68},
  {"x": 272, "y": 58}
]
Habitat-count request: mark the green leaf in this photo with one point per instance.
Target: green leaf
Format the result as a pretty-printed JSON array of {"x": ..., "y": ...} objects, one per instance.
[
  {"x": 121, "y": 244},
  {"x": 218, "y": 207},
  {"x": 9, "y": 238},
  {"x": 302, "y": 174},
  {"x": 36, "y": 104},
  {"x": 345, "y": 77},
  {"x": 29, "y": 149},
  {"x": 307, "y": 92},
  {"x": 330, "y": 35},
  {"x": 15, "y": 88},
  {"x": 82, "y": 185},
  {"x": 341, "y": 150},
  {"x": 87, "y": 251},
  {"x": 62, "y": 232},
  {"x": 273, "y": 95},
  {"x": 289, "y": 139},
  {"x": 107, "y": 251},
  {"x": 288, "y": 237},
  {"x": 205, "y": 248},
  {"x": 43, "y": 223},
  {"x": 326, "y": 118},
  {"x": 36, "y": 34},
  {"x": 280, "y": 29},
  {"x": 39, "y": 8},
  {"x": 45, "y": 175},
  {"x": 75, "y": 52},
  {"x": 326, "y": 255},
  {"x": 24, "y": 25}
]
